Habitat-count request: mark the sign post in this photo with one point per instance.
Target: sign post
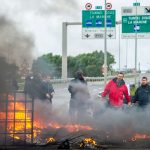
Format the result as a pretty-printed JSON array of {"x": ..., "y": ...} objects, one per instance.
[{"x": 105, "y": 48}]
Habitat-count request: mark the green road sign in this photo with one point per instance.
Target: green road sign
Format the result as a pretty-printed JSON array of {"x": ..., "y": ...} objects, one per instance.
[
  {"x": 139, "y": 24},
  {"x": 95, "y": 18},
  {"x": 98, "y": 7},
  {"x": 136, "y": 4}
]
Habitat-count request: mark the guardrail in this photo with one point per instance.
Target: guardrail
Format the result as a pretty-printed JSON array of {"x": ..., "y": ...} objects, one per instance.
[{"x": 88, "y": 79}]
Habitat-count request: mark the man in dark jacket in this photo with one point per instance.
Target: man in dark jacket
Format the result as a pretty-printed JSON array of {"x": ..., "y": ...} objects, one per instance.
[
  {"x": 117, "y": 91},
  {"x": 79, "y": 96},
  {"x": 32, "y": 85},
  {"x": 47, "y": 90},
  {"x": 142, "y": 94}
]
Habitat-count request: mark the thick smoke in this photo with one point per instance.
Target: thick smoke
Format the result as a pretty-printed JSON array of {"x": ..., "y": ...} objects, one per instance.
[
  {"x": 108, "y": 123},
  {"x": 15, "y": 46}
]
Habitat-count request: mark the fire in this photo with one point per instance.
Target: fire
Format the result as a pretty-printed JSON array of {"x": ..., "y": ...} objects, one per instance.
[
  {"x": 17, "y": 112},
  {"x": 88, "y": 143},
  {"x": 50, "y": 140},
  {"x": 76, "y": 127},
  {"x": 138, "y": 136},
  {"x": 20, "y": 116}
]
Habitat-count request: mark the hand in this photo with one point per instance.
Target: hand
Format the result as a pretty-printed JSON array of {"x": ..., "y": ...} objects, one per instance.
[
  {"x": 47, "y": 95},
  {"x": 52, "y": 93},
  {"x": 129, "y": 104},
  {"x": 136, "y": 103},
  {"x": 99, "y": 95}
]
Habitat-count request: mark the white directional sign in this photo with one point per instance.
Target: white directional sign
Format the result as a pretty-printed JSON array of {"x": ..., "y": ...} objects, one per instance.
[
  {"x": 136, "y": 20},
  {"x": 98, "y": 33}
]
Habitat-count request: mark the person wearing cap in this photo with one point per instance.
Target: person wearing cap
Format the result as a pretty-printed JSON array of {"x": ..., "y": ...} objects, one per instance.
[{"x": 117, "y": 90}]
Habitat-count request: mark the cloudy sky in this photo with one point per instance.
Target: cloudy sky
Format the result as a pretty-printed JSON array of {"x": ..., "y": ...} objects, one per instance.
[{"x": 42, "y": 21}]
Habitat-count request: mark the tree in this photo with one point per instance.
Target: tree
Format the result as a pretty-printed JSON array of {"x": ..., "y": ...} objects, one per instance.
[{"x": 90, "y": 64}]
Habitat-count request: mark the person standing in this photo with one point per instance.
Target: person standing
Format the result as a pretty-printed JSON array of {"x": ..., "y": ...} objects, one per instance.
[
  {"x": 117, "y": 91},
  {"x": 142, "y": 94},
  {"x": 79, "y": 97},
  {"x": 47, "y": 90},
  {"x": 132, "y": 91}
]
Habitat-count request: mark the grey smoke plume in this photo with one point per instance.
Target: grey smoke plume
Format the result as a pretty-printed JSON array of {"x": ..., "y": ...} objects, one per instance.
[
  {"x": 107, "y": 123},
  {"x": 15, "y": 45}
]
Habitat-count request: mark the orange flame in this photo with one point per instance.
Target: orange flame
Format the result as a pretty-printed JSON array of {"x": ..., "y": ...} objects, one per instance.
[
  {"x": 88, "y": 142},
  {"x": 50, "y": 140},
  {"x": 138, "y": 136},
  {"x": 23, "y": 120}
]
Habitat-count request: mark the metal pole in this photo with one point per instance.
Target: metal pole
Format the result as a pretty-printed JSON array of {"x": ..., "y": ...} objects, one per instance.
[
  {"x": 32, "y": 121},
  {"x": 126, "y": 54},
  {"x": 64, "y": 46},
  {"x": 119, "y": 46},
  {"x": 136, "y": 46},
  {"x": 14, "y": 119},
  {"x": 6, "y": 119},
  {"x": 118, "y": 23},
  {"x": 105, "y": 47},
  {"x": 64, "y": 50}
]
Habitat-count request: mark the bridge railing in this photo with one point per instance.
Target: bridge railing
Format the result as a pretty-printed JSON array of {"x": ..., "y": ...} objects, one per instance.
[{"x": 88, "y": 79}]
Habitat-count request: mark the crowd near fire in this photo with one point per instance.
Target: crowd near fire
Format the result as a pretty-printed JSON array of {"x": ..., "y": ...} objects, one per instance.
[{"x": 23, "y": 116}]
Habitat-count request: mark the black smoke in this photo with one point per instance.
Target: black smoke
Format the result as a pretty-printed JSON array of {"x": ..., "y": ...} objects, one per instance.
[{"x": 15, "y": 47}]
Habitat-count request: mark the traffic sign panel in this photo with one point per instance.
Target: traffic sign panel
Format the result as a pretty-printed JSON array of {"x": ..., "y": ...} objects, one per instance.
[
  {"x": 132, "y": 23},
  {"x": 108, "y": 6},
  {"x": 98, "y": 7},
  {"x": 93, "y": 23},
  {"x": 98, "y": 33},
  {"x": 97, "y": 18},
  {"x": 88, "y": 6}
]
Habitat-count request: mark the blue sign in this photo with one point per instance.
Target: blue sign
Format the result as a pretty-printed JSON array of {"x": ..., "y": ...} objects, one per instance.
[
  {"x": 136, "y": 28},
  {"x": 109, "y": 23},
  {"x": 89, "y": 23},
  {"x": 99, "y": 23}
]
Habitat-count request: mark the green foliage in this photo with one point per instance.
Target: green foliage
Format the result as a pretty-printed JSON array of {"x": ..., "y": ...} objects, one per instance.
[
  {"x": 48, "y": 64},
  {"x": 90, "y": 64}
]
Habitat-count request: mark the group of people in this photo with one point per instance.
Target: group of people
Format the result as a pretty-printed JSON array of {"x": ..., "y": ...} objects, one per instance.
[
  {"x": 119, "y": 93},
  {"x": 39, "y": 86},
  {"x": 116, "y": 90}
]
